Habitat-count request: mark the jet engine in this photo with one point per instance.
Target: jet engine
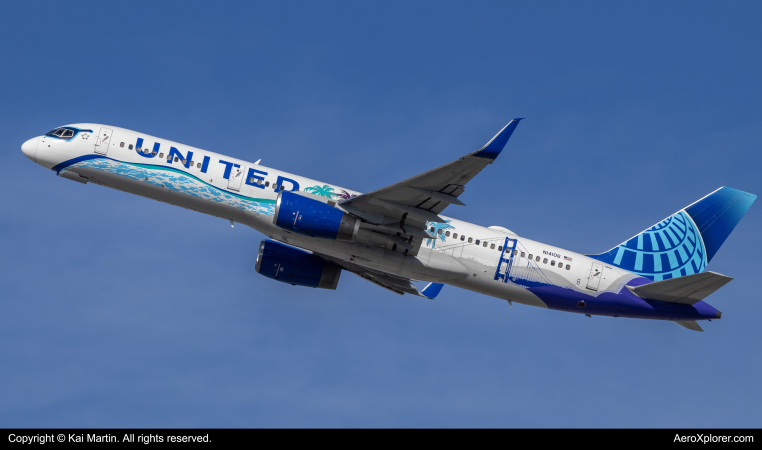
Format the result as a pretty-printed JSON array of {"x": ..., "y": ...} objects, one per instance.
[
  {"x": 295, "y": 266},
  {"x": 305, "y": 215}
]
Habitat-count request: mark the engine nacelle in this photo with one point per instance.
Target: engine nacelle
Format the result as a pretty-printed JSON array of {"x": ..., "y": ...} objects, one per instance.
[
  {"x": 304, "y": 215},
  {"x": 295, "y": 266}
]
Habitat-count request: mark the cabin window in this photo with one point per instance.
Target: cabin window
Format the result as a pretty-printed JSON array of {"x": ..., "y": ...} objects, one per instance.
[
  {"x": 184, "y": 161},
  {"x": 470, "y": 240},
  {"x": 515, "y": 252},
  {"x": 198, "y": 164},
  {"x": 190, "y": 163},
  {"x": 153, "y": 153},
  {"x": 530, "y": 256},
  {"x": 433, "y": 229},
  {"x": 537, "y": 259},
  {"x": 455, "y": 235},
  {"x": 553, "y": 263},
  {"x": 485, "y": 244},
  {"x": 129, "y": 146},
  {"x": 161, "y": 155},
  {"x": 544, "y": 261},
  {"x": 121, "y": 144},
  {"x": 523, "y": 254},
  {"x": 568, "y": 266},
  {"x": 282, "y": 187},
  {"x": 251, "y": 180},
  {"x": 500, "y": 248},
  {"x": 447, "y": 233},
  {"x": 176, "y": 159},
  {"x": 462, "y": 237},
  {"x": 492, "y": 247},
  {"x": 267, "y": 184},
  {"x": 477, "y": 242}
]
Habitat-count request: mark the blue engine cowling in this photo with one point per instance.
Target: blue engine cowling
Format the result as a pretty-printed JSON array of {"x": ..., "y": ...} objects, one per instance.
[
  {"x": 295, "y": 266},
  {"x": 305, "y": 215}
]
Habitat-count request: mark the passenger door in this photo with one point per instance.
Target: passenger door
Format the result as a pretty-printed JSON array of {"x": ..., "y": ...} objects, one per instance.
[
  {"x": 103, "y": 141},
  {"x": 237, "y": 174},
  {"x": 594, "y": 280}
]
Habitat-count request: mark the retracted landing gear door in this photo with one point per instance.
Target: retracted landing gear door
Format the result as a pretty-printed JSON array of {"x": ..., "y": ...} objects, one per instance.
[{"x": 103, "y": 141}]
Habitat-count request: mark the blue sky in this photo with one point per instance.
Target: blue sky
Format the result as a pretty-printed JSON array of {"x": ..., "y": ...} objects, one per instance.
[{"x": 120, "y": 311}]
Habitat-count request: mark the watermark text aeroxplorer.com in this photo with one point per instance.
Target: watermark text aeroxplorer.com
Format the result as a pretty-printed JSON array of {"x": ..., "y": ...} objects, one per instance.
[{"x": 711, "y": 438}]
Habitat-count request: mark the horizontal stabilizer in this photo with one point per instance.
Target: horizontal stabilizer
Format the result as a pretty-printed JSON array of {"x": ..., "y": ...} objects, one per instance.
[
  {"x": 687, "y": 290},
  {"x": 689, "y": 324}
]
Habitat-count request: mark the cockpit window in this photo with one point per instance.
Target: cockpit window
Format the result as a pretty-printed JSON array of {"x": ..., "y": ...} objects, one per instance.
[
  {"x": 62, "y": 133},
  {"x": 57, "y": 132}
]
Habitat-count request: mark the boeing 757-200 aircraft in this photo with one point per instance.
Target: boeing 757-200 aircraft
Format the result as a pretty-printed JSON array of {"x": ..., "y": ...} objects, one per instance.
[{"x": 397, "y": 234}]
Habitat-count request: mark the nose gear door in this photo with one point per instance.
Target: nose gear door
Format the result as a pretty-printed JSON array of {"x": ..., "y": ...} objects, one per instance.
[
  {"x": 103, "y": 141},
  {"x": 595, "y": 277}
]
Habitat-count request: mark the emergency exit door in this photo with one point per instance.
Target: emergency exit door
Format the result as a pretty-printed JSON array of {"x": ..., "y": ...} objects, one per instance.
[
  {"x": 236, "y": 177},
  {"x": 103, "y": 141},
  {"x": 595, "y": 277}
]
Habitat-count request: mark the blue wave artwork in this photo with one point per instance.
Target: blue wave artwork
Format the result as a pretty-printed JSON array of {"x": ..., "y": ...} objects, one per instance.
[{"x": 177, "y": 180}]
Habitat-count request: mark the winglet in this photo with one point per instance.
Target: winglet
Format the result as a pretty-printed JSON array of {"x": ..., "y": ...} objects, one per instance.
[
  {"x": 497, "y": 143},
  {"x": 432, "y": 290}
]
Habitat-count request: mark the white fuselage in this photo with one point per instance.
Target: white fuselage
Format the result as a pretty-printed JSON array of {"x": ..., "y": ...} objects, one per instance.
[{"x": 205, "y": 182}]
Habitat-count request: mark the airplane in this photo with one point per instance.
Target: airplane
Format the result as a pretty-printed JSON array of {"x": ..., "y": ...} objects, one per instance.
[{"x": 396, "y": 235}]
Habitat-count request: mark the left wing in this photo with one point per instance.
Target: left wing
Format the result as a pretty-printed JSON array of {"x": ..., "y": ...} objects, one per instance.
[{"x": 407, "y": 206}]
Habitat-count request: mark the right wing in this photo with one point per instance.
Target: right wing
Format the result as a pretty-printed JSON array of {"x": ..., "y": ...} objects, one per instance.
[{"x": 398, "y": 285}]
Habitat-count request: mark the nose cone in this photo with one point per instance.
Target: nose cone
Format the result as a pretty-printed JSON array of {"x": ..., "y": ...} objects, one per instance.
[{"x": 29, "y": 148}]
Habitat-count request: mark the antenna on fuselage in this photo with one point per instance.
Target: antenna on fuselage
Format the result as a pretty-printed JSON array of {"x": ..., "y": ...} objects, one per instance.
[{"x": 257, "y": 163}]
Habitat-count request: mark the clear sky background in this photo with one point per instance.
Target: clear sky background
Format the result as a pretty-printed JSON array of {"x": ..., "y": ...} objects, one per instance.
[{"x": 116, "y": 310}]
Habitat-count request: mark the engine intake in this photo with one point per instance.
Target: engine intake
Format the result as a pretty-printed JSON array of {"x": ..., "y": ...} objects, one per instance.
[
  {"x": 291, "y": 265},
  {"x": 304, "y": 215}
]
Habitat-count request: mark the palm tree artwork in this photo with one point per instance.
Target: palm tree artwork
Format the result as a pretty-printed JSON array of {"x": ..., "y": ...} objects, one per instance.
[
  {"x": 324, "y": 191},
  {"x": 437, "y": 229}
]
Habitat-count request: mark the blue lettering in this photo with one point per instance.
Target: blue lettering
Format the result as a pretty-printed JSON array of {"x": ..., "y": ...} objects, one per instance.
[
  {"x": 254, "y": 180},
  {"x": 185, "y": 161},
  {"x": 151, "y": 154},
  {"x": 281, "y": 180},
  {"x": 228, "y": 167},
  {"x": 205, "y": 164}
]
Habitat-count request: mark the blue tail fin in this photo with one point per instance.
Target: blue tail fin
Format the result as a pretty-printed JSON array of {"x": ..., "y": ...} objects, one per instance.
[{"x": 685, "y": 242}]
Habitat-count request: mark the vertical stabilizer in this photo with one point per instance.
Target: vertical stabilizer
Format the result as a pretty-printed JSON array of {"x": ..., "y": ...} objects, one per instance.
[
  {"x": 685, "y": 242},
  {"x": 717, "y": 214}
]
